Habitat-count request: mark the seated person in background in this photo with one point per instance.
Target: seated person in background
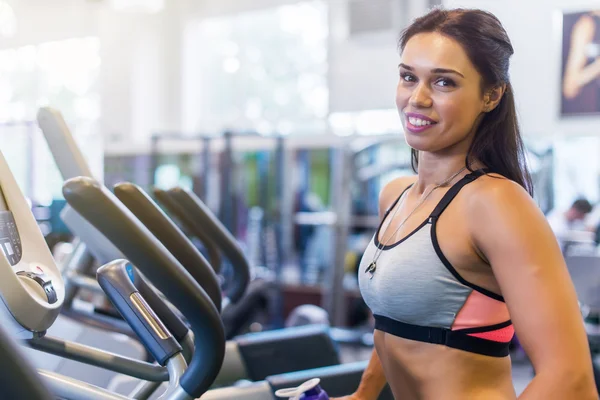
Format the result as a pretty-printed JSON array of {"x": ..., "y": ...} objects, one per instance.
[
  {"x": 592, "y": 222},
  {"x": 569, "y": 226}
]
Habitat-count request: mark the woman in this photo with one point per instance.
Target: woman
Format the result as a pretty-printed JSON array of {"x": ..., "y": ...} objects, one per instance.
[{"x": 463, "y": 257}]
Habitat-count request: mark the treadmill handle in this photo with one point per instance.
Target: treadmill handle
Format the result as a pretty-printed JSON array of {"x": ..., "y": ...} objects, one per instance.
[
  {"x": 175, "y": 210},
  {"x": 204, "y": 220},
  {"x": 165, "y": 230},
  {"x": 171, "y": 320},
  {"x": 101, "y": 207},
  {"x": 116, "y": 279}
]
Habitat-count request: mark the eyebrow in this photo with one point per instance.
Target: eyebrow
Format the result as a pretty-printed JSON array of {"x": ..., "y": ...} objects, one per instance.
[{"x": 435, "y": 70}]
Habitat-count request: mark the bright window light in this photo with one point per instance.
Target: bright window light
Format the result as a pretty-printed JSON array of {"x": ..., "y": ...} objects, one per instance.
[
  {"x": 142, "y": 6},
  {"x": 366, "y": 123},
  {"x": 8, "y": 20},
  {"x": 259, "y": 68}
]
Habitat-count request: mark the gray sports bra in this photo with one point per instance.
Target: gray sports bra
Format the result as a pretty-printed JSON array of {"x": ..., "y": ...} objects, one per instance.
[{"x": 417, "y": 294}]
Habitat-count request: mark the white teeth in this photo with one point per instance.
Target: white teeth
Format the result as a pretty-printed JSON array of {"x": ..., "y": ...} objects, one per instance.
[{"x": 418, "y": 122}]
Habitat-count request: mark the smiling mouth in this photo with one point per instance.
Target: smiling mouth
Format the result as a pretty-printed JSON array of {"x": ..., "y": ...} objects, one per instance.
[
  {"x": 419, "y": 122},
  {"x": 415, "y": 124}
]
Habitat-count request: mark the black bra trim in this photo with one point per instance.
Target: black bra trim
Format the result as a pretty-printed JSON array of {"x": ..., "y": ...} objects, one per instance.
[
  {"x": 439, "y": 209},
  {"x": 488, "y": 328},
  {"x": 392, "y": 245},
  {"x": 442, "y": 336},
  {"x": 454, "y": 272},
  {"x": 390, "y": 208},
  {"x": 376, "y": 241}
]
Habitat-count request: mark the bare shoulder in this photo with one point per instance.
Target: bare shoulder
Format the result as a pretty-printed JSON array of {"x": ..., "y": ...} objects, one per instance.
[
  {"x": 390, "y": 192},
  {"x": 493, "y": 190},
  {"x": 494, "y": 197},
  {"x": 504, "y": 222}
]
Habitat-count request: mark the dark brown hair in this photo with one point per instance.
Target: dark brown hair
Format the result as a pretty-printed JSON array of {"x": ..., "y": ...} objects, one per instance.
[
  {"x": 497, "y": 142},
  {"x": 582, "y": 205}
]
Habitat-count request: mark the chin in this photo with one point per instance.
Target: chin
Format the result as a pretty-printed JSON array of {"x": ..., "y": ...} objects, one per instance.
[{"x": 418, "y": 141}]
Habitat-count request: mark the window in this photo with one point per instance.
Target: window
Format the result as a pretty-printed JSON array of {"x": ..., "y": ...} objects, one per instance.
[
  {"x": 366, "y": 123},
  {"x": 263, "y": 70},
  {"x": 63, "y": 75}
]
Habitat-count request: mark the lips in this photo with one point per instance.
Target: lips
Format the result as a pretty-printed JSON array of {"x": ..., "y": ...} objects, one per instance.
[{"x": 418, "y": 123}]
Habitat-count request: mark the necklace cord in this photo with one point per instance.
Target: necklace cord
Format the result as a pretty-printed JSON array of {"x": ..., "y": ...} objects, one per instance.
[{"x": 383, "y": 243}]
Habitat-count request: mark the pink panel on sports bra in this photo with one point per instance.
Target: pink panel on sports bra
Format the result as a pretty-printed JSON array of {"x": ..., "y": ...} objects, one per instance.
[
  {"x": 499, "y": 335},
  {"x": 480, "y": 310}
]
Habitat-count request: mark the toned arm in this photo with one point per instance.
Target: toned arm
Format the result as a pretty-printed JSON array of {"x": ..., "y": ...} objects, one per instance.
[{"x": 510, "y": 231}]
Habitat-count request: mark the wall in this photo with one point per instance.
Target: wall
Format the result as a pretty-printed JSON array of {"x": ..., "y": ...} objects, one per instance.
[
  {"x": 535, "y": 31},
  {"x": 140, "y": 85},
  {"x": 143, "y": 58},
  {"x": 141, "y": 76},
  {"x": 44, "y": 21},
  {"x": 535, "y": 69},
  {"x": 363, "y": 70}
]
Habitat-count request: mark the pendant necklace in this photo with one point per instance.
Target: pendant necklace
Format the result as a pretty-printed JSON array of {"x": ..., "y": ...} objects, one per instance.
[{"x": 383, "y": 243}]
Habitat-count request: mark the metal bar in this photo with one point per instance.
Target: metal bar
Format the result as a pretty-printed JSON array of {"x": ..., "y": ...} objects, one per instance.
[
  {"x": 64, "y": 387},
  {"x": 206, "y": 155},
  {"x": 375, "y": 170},
  {"x": 144, "y": 390},
  {"x": 285, "y": 200},
  {"x": 283, "y": 209},
  {"x": 358, "y": 147},
  {"x": 84, "y": 282},
  {"x": 99, "y": 358},
  {"x": 227, "y": 210},
  {"x": 154, "y": 156},
  {"x": 330, "y": 218},
  {"x": 79, "y": 262},
  {"x": 176, "y": 366},
  {"x": 102, "y": 322},
  {"x": 341, "y": 200},
  {"x": 9, "y": 124}
]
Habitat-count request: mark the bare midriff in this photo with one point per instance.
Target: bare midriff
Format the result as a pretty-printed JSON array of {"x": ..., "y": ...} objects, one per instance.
[{"x": 424, "y": 371}]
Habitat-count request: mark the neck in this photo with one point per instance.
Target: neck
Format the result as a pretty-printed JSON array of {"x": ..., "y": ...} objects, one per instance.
[{"x": 434, "y": 170}]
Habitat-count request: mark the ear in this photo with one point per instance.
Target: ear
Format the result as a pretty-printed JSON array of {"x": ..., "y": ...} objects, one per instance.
[{"x": 492, "y": 97}]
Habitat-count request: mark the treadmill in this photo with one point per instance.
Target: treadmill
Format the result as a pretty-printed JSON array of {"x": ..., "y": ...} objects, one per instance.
[
  {"x": 345, "y": 376},
  {"x": 248, "y": 357},
  {"x": 32, "y": 293},
  {"x": 102, "y": 208}
]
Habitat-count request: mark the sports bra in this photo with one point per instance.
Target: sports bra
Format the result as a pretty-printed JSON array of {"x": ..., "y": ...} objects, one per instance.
[{"x": 417, "y": 294}]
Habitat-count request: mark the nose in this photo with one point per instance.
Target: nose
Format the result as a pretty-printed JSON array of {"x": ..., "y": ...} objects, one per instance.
[{"x": 421, "y": 96}]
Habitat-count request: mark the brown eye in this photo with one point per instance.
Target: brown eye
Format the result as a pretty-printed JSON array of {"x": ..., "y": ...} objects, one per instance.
[
  {"x": 445, "y": 82},
  {"x": 406, "y": 77}
]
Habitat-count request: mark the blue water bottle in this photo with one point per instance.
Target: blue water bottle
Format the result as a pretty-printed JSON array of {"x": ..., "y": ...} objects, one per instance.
[{"x": 309, "y": 390}]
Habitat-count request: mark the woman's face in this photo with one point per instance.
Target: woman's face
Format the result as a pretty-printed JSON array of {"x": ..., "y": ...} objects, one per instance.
[{"x": 439, "y": 94}]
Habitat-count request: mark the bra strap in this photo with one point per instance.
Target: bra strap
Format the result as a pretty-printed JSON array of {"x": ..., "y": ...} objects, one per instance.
[
  {"x": 451, "y": 194},
  {"x": 390, "y": 208}
]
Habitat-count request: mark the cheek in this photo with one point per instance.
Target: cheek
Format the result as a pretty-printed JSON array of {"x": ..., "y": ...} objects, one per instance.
[
  {"x": 458, "y": 112},
  {"x": 449, "y": 110},
  {"x": 402, "y": 96}
]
